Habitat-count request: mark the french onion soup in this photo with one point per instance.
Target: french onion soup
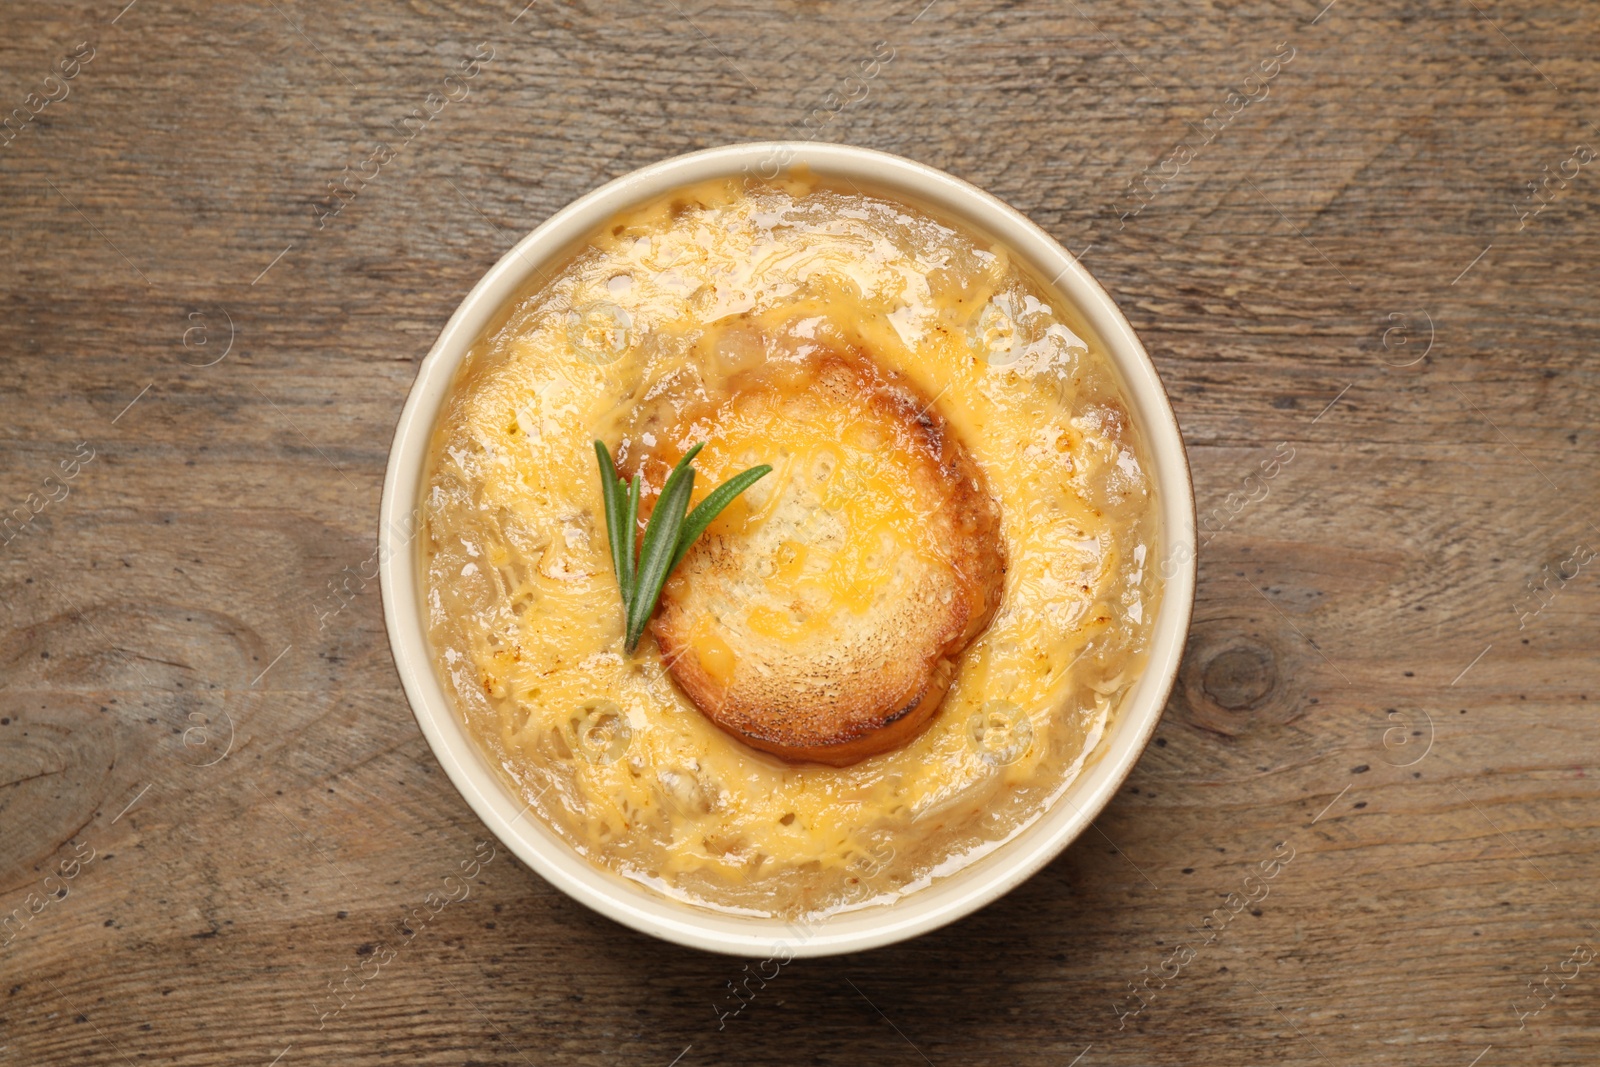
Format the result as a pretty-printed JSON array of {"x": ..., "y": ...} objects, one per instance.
[{"x": 789, "y": 547}]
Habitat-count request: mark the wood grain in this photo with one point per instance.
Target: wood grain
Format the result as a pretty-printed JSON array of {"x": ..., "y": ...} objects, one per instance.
[{"x": 194, "y": 687}]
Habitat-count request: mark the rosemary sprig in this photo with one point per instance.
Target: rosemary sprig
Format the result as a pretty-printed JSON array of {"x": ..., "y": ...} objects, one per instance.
[{"x": 667, "y": 536}]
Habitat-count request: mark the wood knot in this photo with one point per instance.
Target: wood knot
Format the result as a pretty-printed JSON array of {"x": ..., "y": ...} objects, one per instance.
[
  {"x": 1239, "y": 677},
  {"x": 1230, "y": 681}
]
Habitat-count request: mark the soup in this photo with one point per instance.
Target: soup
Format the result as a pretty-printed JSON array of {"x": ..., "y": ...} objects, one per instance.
[{"x": 673, "y": 306}]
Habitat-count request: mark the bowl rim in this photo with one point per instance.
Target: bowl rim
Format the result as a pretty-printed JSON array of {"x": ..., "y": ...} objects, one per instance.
[{"x": 946, "y": 899}]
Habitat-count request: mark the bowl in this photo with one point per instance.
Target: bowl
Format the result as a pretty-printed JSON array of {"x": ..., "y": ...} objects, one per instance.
[{"x": 630, "y": 903}]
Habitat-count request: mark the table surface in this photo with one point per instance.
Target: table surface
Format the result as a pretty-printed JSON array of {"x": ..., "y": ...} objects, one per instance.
[{"x": 1359, "y": 245}]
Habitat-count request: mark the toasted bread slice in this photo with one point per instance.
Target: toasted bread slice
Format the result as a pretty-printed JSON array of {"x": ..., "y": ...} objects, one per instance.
[{"x": 822, "y": 616}]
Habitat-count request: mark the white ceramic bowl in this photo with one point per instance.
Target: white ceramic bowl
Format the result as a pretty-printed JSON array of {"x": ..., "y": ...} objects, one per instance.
[{"x": 632, "y": 904}]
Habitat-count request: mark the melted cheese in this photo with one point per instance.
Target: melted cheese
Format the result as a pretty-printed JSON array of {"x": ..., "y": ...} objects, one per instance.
[
  {"x": 524, "y": 610},
  {"x": 867, "y": 516}
]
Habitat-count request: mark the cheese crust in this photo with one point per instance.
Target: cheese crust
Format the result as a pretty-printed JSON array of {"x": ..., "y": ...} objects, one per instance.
[{"x": 827, "y": 625}]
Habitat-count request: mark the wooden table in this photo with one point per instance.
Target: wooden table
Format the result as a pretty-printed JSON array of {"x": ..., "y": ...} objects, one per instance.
[{"x": 216, "y": 811}]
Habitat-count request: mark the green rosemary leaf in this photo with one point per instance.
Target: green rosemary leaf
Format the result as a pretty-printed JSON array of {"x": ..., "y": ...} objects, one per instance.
[
  {"x": 709, "y": 508},
  {"x": 630, "y": 524},
  {"x": 621, "y": 536},
  {"x": 660, "y": 545},
  {"x": 667, "y": 536}
]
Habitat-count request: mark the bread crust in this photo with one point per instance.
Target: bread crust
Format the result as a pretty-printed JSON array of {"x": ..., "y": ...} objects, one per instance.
[{"x": 871, "y": 678}]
